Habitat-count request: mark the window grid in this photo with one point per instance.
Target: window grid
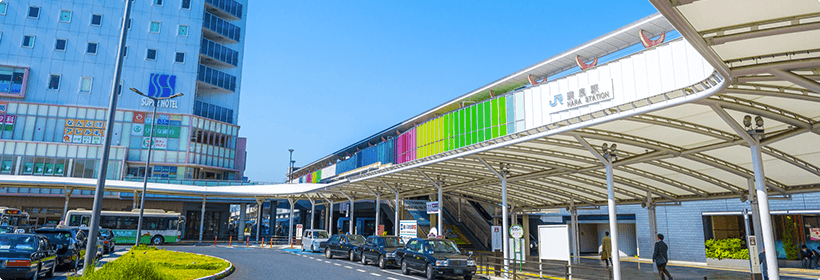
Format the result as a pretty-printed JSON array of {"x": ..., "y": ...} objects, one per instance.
[
  {"x": 179, "y": 57},
  {"x": 54, "y": 82},
  {"x": 155, "y": 27},
  {"x": 60, "y": 45},
  {"x": 65, "y": 16},
  {"x": 85, "y": 84},
  {"x": 151, "y": 54},
  {"x": 28, "y": 41},
  {"x": 34, "y": 12},
  {"x": 96, "y": 20},
  {"x": 91, "y": 48}
]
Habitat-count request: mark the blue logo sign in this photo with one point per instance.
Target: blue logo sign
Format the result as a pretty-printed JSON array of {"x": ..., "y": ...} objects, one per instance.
[
  {"x": 162, "y": 85},
  {"x": 559, "y": 99}
]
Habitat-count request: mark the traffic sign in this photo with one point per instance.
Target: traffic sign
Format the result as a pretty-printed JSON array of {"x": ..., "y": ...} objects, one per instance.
[{"x": 516, "y": 231}]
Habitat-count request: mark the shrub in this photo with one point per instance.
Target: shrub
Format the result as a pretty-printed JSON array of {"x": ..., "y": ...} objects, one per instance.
[
  {"x": 789, "y": 240},
  {"x": 126, "y": 267},
  {"x": 726, "y": 249}
]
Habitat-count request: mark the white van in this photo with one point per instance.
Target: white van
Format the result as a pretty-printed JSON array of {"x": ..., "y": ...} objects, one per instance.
[{"x": 312, "y": 237}]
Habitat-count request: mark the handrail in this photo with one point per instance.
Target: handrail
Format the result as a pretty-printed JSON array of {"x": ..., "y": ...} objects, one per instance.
[
  {"x": 480, "y": 229},
  {"x": 536, "y": 268}
]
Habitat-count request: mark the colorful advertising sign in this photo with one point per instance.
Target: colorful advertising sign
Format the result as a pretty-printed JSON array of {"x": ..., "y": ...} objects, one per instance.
[
  {"x": 139, "y": 117},
  {"x": 815, "y": 233},
  {"x": 408, "y": 229}
]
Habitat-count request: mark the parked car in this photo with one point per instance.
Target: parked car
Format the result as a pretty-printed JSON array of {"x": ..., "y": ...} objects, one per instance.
[
  {"x": 100, "y": 243},
  {"x": 343, "y": 245},
  {"x": 26, "y": 256},
  {"x": 435, "y": 257},
  {"x": 313, "y": 238},
  {"x": 380, "y": 249},
  {"x": 108, "y": 237},
  {"x": 69, "y": 243}
]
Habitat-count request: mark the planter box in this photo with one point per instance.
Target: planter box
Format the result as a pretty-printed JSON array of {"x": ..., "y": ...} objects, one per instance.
[{"x": 728, "y": 263}]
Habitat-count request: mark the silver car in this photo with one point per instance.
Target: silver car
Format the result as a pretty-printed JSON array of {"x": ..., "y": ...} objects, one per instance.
[{"x": 312, "y": 238}]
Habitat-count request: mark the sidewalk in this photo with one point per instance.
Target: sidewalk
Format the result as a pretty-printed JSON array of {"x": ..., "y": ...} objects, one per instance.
[{"x": 633, "y": 268}]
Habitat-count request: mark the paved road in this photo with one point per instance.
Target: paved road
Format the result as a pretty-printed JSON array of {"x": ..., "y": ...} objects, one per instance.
[
  {"x": 62, "y": 274},
  {"x": 254, "y": 263}
]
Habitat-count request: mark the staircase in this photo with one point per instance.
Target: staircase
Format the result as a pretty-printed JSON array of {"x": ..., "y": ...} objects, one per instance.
[{"x": 473, "y": 225}]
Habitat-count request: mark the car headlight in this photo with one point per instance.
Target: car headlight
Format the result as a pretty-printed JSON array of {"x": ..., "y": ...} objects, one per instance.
[
  {"x": 391, "y": 255},
  {"x": 470, "y": 262},
  {"x": 443, "y": 263}
]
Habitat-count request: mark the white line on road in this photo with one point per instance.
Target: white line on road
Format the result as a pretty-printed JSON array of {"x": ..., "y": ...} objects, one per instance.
[
  {"x": 375, "y": 274},
  {"x": 347, "y": 266},
  {"x": 359, "y": 270},
  {"x": 336, "y": 264},
  {"x": 391, "y": 278}
]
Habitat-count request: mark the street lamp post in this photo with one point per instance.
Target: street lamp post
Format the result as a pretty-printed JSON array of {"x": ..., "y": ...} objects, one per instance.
[
  {"x": 148, "y": 160},
  {"x": 290, "y": 166},
  {"x": 91, "y": 247}
]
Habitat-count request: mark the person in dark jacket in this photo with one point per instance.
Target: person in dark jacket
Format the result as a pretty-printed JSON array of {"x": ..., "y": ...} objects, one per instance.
[
  {"x": 661, "y": 257},
  {"x": 816, "y": 257},
  {"x": 805, "y": 257}
]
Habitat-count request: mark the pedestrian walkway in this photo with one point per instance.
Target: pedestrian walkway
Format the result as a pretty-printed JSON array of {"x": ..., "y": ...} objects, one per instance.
[{"x": 637, "y": 269}]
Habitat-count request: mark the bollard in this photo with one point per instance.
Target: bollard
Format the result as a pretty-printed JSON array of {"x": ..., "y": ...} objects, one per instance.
[
  {"x": 271, "y": 242},
  {"x": 248, "y": 242},
  {"x": 214, "y": 240},
  {"x": 230, "y": 240}
]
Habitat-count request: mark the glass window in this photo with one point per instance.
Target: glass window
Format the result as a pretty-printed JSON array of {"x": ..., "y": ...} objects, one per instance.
[
  {"x": 151, "y": 54},
  {"x": 85, "y": 84},
  {"x": 180, "y": 57},
  {"x": 65, "y": 16},
  {"x": 186, "y": 4},
  {"x": 182, "y": 30},
  {"x": 157, "y": 2},
  {"x": 3, "y": 7},
  {"x": 60, "y": 45},
  {"x": 54, "y": 82},
  {"x": 33, "y": 12},
  {"x": 154, "y": 27},
  {"x": 28, "y": 41},
  {"x": 96, "y": 20},
  {"x": 91, "y": 48}
]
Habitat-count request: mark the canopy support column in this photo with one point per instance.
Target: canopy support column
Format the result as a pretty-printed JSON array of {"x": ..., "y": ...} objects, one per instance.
[
  {"x": 576, "y": 254},
  {"x": 607, "y": 158},
  {"x": 752, "y": 136},
  {"x": 312, "y": 211},
  {"x": 290, "y": 226},
  {"x": 502, "y": 175},
  {"x": 755, "y": 212},
  {"x": 653, "y": 220},
  {"x": 68, "y": 193},
  {"x": 378, "y": 210},
  {"x": 396, "y": 218},
  {"x": 243, "y": 207},
  {"x": 329, "y": 213},
  {"x": 260, "y": 203},
  {"x": 201, "y": 220},
  {"x": 438, "y": 184}
]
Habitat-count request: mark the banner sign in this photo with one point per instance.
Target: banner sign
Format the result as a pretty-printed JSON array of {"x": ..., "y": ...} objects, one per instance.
[
  {"x": 408, "y": 229},
  {"x": 496, "y": 233},
  {"x": 432, "y": 207}
]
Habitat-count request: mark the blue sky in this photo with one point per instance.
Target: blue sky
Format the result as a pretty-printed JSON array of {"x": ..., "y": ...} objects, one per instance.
[{"x": 320, "y": 75}]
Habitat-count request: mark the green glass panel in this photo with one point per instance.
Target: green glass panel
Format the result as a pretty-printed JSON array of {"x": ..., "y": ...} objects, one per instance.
[
  {"x": 446, "y": 132},
  {"x": 495, "y": 118},
  {"x": 502, "y": 113},
  {"x": 488, "y": 114},
  {"x": 463, "y": 127},
  {"x": 468, "y": 119},
  {"x": 474, "y": 121}
]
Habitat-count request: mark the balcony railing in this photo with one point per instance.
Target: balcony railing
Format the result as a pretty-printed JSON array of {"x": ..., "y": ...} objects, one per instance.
[
  {"x": 216, "y": 78},
  {"x": 229, "y": 6},
  {"x": 220, "y": 26},
  {"x": 191, "y": 182},
  {"x": 219, "y": 52}
]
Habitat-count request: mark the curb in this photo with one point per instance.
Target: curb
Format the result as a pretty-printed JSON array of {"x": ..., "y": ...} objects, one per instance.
[{"x": 222, "y": 274}]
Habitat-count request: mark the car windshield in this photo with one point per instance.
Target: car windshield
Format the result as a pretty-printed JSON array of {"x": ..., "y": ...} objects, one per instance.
[
  {"x": 56, "y": 237},
  {"x": 105, "y": 233},
  {"x": 393, "y": 242},
  {"x": 320, "y": 234},
  {"x": 443, "y": 246},
  {"x": 12, "y": 243},
  {"x": 356, "y": 239},
  {"x": 5, "y": 229}
]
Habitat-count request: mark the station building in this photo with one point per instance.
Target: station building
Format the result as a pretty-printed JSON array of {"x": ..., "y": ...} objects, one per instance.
[{"x": 57, "y": 61}]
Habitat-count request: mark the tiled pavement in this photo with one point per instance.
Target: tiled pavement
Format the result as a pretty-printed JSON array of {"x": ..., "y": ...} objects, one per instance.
[{"x": 634, "y": 270}]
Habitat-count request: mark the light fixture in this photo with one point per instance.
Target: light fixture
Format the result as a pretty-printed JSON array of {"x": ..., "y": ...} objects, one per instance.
[
  {"x": 747, "y": 121},
  {"x": 759, "y": 122},
  {"x": 613, "y": 149},
  {"x": 605, "y": 147}
]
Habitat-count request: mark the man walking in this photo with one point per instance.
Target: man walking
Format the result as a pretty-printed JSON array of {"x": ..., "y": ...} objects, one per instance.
[
  {"x": 606, "y": 249},
  {"x": 661, "y": 257}
]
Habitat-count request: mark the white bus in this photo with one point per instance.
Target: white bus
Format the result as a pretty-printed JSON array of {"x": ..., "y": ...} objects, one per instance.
[
  {"x": 158, "y": 226},
  {"x": 12, "y": 219}
]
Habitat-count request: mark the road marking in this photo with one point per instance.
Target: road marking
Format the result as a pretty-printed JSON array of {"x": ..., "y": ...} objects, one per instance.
[
  {"x": 348, "y": 267},
  {"x": 336, "y": 264},
  {"x": 391, "y": 278},
  {"x": 325, "y": 261},
  {"x": 310, "y": 257},
  {"x": 375, "y": 274},
  {"x": 359, "y": 270}
]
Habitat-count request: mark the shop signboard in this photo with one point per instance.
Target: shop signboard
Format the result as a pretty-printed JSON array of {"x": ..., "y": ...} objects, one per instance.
[
  {"x": 408, "y": 229},
  {"x": 496, "y": 233},
  {"x": 432, "y": 207},
  {"x": 814, "y": 233},
  {"x": 299, "y": 231}
]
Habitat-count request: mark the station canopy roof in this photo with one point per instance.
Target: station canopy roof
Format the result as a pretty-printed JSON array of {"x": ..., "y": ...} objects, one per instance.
[{"x": 686, "y": 143}]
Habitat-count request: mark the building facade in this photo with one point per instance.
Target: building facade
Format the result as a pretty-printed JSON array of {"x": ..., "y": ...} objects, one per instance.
[{"x": 57, "y": 62}]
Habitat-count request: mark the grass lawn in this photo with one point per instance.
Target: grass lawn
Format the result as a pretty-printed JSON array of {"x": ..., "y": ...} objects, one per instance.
[{"x": 150, "y": 263}]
